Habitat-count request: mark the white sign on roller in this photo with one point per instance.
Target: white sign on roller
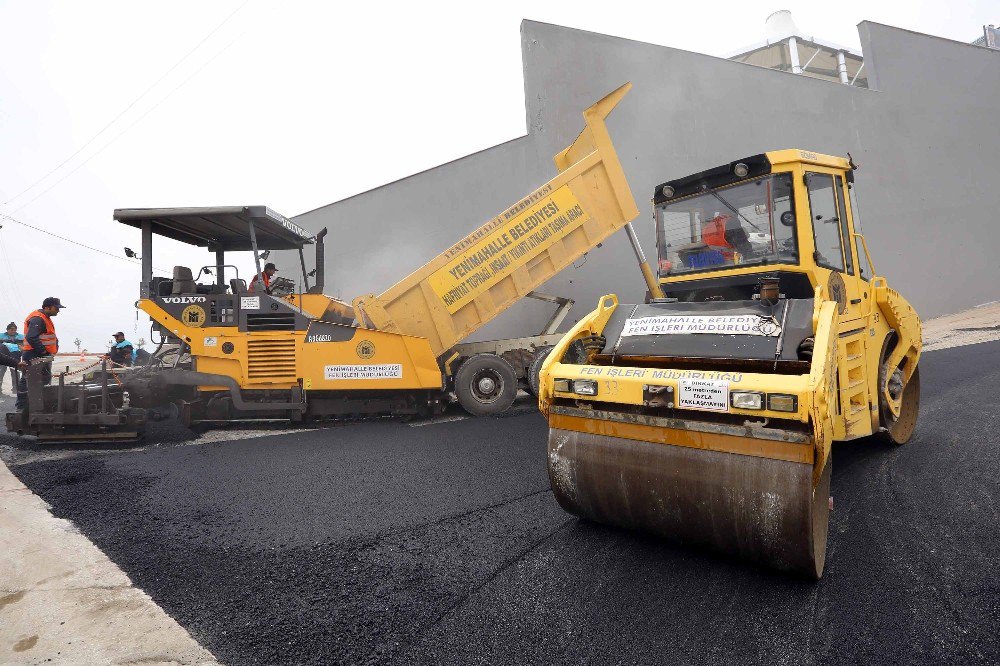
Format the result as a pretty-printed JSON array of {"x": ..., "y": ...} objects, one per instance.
[
  {"x": 703, "y": 394},
  {"x": 749, "y": 324},
  {"x": 364, "y": 371},
  {"x": 250, "y": 302}
]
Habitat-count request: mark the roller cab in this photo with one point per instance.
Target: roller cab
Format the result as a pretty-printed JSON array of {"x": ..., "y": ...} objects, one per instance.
[{"x": 706, "y": 414}]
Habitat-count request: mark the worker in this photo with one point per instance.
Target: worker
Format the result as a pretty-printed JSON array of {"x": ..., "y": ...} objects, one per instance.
[
  {"x": 726, "y": 232},
  {"x": 122, "y": 351},
  {"x": 39, "y": 341},
  {"x": 11, "y": 341},
  {"x": 269, "y": 270},
  {"x": 10, "y": 360}
]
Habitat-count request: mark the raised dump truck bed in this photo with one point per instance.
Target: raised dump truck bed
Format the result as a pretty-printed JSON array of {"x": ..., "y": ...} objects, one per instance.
[{"x": 470, "y": 283}]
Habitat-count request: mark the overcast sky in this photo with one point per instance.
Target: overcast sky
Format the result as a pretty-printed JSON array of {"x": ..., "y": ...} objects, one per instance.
[{"x": 107, "y": 105}]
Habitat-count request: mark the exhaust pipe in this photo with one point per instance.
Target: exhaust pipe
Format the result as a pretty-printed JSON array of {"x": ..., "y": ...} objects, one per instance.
[{"x": 320, "y": 263}]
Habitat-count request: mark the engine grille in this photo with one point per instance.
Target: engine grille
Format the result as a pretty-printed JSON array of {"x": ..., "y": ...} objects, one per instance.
[{"x": 271, "y": 360}]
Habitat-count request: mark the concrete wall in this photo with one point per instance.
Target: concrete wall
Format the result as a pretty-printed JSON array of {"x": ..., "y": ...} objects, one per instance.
[{"x": 925, "y": 136}]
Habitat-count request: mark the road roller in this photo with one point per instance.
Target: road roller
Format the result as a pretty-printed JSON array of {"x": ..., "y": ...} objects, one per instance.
[{"x": 706, "y": 414}]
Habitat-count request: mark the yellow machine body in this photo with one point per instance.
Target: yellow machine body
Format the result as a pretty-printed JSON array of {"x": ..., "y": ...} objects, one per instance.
[
  {"x": 649, "y": 444},
  {"x": 282, "y": 359},
  {"x": 474, "y": 280}
]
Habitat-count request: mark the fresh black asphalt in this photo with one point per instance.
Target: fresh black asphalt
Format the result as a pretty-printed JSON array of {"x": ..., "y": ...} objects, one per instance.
[{"x": 384, "y": 543}]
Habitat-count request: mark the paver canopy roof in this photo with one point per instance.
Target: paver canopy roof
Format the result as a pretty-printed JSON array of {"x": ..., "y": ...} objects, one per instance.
[{"x": 220, "y": 227}]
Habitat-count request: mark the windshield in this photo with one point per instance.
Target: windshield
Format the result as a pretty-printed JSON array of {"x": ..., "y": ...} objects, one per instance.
[{"x": 749, "y": 223}]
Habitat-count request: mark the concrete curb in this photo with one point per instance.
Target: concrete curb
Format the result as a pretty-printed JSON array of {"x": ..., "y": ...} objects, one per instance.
[
  {"x": 969, "y": 327},
  {"x": 62, "y": 601}
]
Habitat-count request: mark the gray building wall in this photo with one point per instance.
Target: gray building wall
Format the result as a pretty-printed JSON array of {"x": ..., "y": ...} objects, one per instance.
[{"x": 925, "y": 135}]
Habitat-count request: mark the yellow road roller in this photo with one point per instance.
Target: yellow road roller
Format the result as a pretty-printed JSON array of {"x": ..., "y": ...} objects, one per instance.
[{"x": 706, "y": 414}]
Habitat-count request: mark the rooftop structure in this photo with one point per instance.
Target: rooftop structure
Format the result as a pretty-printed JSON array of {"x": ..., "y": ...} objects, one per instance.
[
  {"x": 990, "y": 38},
  {"x": 787, "y": 49}
]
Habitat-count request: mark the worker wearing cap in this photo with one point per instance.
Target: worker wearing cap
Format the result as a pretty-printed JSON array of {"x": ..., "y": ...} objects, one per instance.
[
  {"x": 122, "y": 351},
  {"x": 269, "y": 270},
  {"x": 39, "y": 341},
  {"x": 11, "y": 341}
]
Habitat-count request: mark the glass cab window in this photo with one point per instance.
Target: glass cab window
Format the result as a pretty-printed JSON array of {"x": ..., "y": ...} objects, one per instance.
[
  {"x": 743, "y": 225},
  {"x": 825, "y": 221}
]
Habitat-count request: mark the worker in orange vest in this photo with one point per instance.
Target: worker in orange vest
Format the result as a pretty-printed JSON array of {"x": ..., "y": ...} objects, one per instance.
[
  {"x": 268, "y": 272},
  {"x": 725, "y": 233},
  {"x": 39, "y": 341}
]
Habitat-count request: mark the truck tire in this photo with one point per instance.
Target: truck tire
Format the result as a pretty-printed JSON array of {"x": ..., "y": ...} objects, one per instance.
[
  {"x": 485, "y": 385},
  {"x": 536, "y": 367}
]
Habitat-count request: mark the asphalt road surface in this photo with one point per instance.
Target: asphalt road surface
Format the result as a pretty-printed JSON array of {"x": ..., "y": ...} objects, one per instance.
[{"x": 385, "y": 543}]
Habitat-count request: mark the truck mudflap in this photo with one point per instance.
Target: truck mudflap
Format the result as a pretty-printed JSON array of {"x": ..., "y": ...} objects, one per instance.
[{"x": 690, "y": 485}]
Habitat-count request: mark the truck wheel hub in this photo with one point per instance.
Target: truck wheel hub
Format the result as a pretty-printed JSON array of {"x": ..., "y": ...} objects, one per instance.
[{"x": 487, "y": 386}]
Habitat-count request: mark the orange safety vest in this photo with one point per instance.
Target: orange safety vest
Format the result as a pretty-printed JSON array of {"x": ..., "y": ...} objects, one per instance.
[
  {"x": 48, "y": 338},
  {"x": 713, "y": 233},
  {"x": 253, "y": 282}
]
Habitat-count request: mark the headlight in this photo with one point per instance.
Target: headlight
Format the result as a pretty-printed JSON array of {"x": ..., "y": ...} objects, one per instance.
[
  {"x": 782, "y": 402},
  {"x": 747, "y": 400},
  {"x": 585, "y": 387},
  {"x": 561, "y": 385}
]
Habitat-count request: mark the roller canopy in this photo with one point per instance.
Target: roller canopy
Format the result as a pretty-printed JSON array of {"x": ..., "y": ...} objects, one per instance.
[{"x": 220, "y": 227}]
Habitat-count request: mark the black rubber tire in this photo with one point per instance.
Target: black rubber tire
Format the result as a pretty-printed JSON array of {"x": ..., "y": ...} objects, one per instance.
[
  {"x": 471, "y": 378},
  {"x": 535, "y": 367},
  {"x": 897, "y": 429}
]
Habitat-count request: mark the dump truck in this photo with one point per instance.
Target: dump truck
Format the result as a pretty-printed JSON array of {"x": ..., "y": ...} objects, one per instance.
[
  {"x": 706, "y": 414},
  {"x": 294, "y": 353}
]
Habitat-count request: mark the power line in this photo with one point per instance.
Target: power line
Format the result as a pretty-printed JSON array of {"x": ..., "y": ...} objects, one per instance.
[
  {"x": 127, "y": 108},
  {"x": 128, "y": 127},
  {"x": 74, "y": 242},
  {"x": 12, "y": 295}
]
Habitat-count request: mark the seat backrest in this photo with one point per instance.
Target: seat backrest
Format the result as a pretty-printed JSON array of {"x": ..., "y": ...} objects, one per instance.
[
  {"x": 238, "y": 286},
  {"x": 183, "y": 281}
]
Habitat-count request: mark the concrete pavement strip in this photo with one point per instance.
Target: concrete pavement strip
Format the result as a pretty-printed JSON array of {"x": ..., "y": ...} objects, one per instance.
[
  {"x": 62, "y": 601},
  {"x": 978, "y": 324}
]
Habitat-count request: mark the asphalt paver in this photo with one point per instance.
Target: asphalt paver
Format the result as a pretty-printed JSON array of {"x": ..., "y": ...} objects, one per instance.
[{"x": 383, "y": 543}]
